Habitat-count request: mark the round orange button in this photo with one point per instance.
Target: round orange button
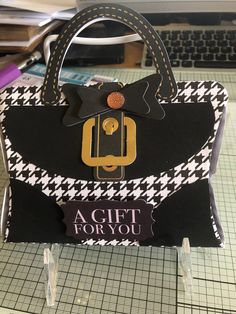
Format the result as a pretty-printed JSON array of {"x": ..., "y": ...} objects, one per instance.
[{"x": 115, "y": 100}]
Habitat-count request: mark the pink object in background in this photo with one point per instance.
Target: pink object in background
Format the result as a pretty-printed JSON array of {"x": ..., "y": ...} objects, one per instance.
[
  {"x": 13, "y": 71},
  {"x": 9, "y": 74}
]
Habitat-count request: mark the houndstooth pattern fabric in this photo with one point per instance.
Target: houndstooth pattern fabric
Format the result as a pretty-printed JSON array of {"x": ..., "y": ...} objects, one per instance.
[{"x": 152, "y": 189}]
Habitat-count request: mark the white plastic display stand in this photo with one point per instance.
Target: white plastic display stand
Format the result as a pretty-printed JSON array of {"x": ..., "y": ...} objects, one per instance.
[
  {"x": 185, "y": 265},
  {"x": 51, "y": 260}
]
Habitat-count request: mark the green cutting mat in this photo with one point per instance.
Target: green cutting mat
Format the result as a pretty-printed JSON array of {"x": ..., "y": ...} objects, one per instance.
[{"x": 120, "y": 280}]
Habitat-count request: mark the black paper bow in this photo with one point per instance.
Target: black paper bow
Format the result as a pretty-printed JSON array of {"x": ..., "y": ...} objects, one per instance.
[{"x": 139, "y": 99}]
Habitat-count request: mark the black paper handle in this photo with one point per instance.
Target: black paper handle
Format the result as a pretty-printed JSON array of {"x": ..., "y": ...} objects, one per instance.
[{"x": 50, "y": 91}]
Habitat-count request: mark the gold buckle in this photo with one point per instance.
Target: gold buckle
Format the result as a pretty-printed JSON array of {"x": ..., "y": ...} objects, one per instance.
[{"x": 109, "y": 160}]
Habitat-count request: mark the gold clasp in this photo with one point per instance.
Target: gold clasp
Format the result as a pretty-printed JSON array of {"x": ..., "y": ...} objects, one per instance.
[{"x": 109, "y": 160}]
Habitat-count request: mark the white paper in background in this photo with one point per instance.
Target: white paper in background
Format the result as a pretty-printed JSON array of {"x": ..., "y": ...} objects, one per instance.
[
  {"x": 22, "y": 17},
  {"x": 24, "y": 21},
  {"x": 44, "y": 6},
  {"x": 27, "y": 80},
  {"x": 18, "y": 13},
  {"x": 17, "y": 18}
]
